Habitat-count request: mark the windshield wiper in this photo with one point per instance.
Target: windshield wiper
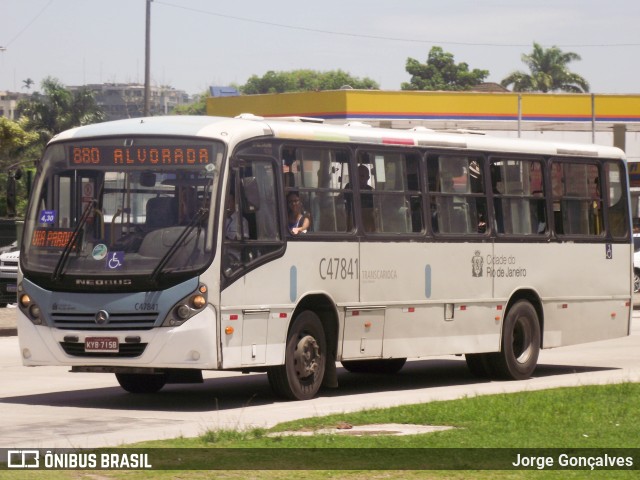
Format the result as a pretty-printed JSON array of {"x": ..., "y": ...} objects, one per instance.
[
  {"x": 59, "y": 270},
  {"x": 195, "y": 222}
]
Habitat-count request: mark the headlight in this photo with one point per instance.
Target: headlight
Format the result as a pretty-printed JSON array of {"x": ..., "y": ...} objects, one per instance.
[
  {"x": 187, "y": 307},
  {"x": 31, "y": 309}
]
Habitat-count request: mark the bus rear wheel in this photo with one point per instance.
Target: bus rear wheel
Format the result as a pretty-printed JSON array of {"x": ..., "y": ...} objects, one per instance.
[
  {"x": 301, "y": 375},
  {"x": 383, "y": 365},
  {"x": 141, "y": 382},
  {"x": 520, "y": 343}
]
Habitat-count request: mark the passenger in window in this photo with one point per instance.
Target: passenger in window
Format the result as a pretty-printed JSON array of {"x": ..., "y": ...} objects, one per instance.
[
  {"x": 366, "y": 199},
  {"x": 187, "y": 205},
  {"x": 299, "y": 220},
  {"x": 232, "y": 221},
  {"x": 363, "y": 182},
  {"x": 482, "y": 224}
]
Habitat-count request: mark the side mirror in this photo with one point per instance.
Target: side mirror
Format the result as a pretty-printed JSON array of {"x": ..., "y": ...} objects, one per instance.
[{"x": 147, "y": 179}]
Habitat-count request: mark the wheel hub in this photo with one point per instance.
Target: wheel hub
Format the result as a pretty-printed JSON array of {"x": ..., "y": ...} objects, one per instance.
[
  {"x": 306, "y": 357},
  {"x": 522, "y": 347}
]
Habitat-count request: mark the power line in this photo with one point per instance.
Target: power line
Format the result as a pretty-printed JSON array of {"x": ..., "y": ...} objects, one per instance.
[
  {"x": 29, "y": 24},
  {"x": 380, "y": 37}
]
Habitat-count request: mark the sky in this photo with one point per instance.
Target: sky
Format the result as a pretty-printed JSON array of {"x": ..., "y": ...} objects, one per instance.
[{"x": 199, "y": 43}]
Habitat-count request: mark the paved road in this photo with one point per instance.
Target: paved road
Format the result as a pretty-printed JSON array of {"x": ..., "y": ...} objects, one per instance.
[
  {"x": 48, "y": 407},
  {"x": 8, "y": 321}
]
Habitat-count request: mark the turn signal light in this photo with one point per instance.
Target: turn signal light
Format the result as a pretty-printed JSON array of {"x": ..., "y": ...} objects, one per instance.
[
  {"x": 25, "y": 300},
  {"x": 198, "y": 301}
]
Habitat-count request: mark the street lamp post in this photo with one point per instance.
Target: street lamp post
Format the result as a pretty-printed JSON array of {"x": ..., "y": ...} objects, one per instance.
[{"x": 147, "y": 62}]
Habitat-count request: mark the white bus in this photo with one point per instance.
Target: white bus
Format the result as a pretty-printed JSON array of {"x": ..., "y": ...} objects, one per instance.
[{"x": 157, "y": 248}]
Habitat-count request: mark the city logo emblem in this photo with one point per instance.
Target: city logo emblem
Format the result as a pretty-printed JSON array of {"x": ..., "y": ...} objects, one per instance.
[{"x": 476, "y": 264}]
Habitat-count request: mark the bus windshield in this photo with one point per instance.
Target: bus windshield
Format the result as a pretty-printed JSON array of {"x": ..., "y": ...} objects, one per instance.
[{"x": 102, "y": 210}]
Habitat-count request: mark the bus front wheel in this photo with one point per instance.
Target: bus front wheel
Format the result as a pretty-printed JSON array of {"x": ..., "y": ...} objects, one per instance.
[
  {"x": 305, "y": 360},
  {"x": 520, "y": 343},
  {"x": 141, "y": 382}
]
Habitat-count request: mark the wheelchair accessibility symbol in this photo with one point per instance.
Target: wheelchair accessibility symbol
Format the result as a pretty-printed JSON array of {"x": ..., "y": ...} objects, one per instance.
[{"x": 115, "y": 260}]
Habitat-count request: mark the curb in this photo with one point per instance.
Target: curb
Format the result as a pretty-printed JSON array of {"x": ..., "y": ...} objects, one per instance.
[{"x": 8, "y": 332}]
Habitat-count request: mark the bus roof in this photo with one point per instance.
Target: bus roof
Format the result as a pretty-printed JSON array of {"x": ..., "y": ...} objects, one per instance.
[
  {"x": 232, "y": 130},
  {"x": 362, "y": 133},
  {"x": 221, "y": 128}
]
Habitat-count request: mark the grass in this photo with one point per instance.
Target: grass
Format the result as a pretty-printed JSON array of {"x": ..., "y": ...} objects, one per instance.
[{"x": 593, "y": 417}]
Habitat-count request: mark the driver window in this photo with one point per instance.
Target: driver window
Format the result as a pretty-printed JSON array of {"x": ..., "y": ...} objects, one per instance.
[{"x": 250, "y": 223}]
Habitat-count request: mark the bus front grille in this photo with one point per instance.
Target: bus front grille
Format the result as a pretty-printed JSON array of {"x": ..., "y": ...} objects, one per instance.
[
  {"x": 126, "y": 350},
  {"x": 116, "y": 321}
]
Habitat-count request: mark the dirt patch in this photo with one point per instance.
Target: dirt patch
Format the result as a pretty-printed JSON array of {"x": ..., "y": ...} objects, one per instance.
[{"x": 370, "y": 430}]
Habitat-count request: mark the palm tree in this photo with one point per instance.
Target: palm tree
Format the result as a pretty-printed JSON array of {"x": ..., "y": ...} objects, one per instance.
[
  {"x": 58, "y": 109},
  {"x": 549, "y": 72}
]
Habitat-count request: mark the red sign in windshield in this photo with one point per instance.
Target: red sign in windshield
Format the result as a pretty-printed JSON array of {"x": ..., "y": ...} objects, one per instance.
[{"x": 55, "y": 238}]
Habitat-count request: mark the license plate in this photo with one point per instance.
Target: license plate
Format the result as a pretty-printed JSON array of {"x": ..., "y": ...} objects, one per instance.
[
  {"x": 12, "y": 288},
  {"x": 101, "y": 344}
]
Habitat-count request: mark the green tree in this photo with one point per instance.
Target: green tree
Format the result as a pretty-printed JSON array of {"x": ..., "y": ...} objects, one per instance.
[
  {"x": 15, "y": 151},
  {"x": 199, "y": 107},
  {"x": 442, "y": 73},
  {"x": 14, "y": 141},
  {"x": 58, "y": 109},
  {"x": 304, "y": 80},
  {"x": 549, "y": 72}
]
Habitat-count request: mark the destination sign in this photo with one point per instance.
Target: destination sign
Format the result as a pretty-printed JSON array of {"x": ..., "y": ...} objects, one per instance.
[
  {"x": 138, "y": 156},
  {"x": 54, "y": 238}
]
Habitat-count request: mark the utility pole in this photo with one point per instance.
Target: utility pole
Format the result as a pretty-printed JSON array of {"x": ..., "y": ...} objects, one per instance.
[{"x": 147, "y": 62}]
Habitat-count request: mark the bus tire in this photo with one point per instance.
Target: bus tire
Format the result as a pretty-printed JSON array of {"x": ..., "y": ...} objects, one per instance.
[
  {"x": 636, "y": 280},
  {"x": 518, "y": 357},
  {"x": 382, "y": 365},
  {"x": 301, "y": 375},
  {"x": 141, "y": 382}
]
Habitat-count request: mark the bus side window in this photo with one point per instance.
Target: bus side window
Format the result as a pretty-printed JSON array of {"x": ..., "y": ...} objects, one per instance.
[
  {"x": 396, "y": 198},
  {"x": 315, "y": 175},
  {"x": 458, "y": 202},
  {"x": 577, "y": 198},
  {"x": 617, "y": 204},
  {"x": 518, "y": 197}
]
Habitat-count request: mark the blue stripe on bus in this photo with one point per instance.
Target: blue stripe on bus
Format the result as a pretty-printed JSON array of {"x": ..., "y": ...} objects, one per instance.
[
  {"x": 427, "y": 281},
  {"x": 293, "y": 283}
]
